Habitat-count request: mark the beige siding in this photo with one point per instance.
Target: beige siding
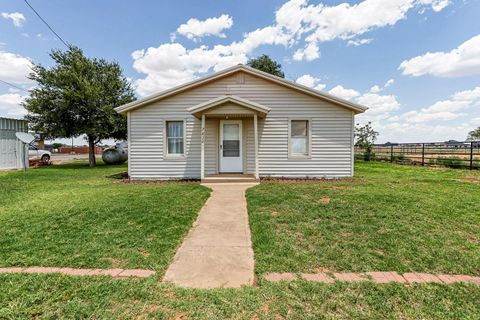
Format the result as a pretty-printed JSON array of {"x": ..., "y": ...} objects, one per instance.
[
  {"x": 211, "y": 146},
  {"x": 229, "y": 108},
  {"x": 331, "y": 133}
]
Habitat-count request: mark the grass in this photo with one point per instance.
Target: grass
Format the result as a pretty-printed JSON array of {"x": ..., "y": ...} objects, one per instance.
[
  {"x": 401, "y": 219},
  {"x": 71, "y": 215},
  {"x": 51, "y": 297}
]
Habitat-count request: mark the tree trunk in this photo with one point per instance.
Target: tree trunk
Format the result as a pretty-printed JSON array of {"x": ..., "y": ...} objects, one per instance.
[{"x": 91, "y": 152}]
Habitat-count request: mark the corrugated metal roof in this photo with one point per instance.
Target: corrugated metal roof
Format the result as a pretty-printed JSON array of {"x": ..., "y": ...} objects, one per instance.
[{"x": 16, "y": 125}]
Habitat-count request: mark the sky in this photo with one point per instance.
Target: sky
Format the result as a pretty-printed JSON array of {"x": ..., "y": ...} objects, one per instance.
[{"x": 414, "y": 63}]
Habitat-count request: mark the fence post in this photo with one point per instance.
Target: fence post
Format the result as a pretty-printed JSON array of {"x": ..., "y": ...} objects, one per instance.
[
  {"x": 423, "y": 154},
  {"x": 471, "y": 155},
  {"x": 391, "y": 153}
]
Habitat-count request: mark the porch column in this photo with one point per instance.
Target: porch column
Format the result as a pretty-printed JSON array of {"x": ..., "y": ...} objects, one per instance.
[
  {"x": 202, "y": 155},
  {"x": 255, "y": 137}
]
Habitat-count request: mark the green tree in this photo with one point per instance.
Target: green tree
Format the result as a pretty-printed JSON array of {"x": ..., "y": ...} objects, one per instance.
[
  {"x": 76, "y": 96},
  {"x": 474, "y": 134},
  {"x": 266, "y": 64},
  {"x": 57, "y": 145},
  {"x": 365, "y": 138}
]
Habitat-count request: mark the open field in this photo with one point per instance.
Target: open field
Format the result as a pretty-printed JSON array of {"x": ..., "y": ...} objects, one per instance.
[
  {"x": 464, "y": 156},
  {"x": 402, "y": 218}
]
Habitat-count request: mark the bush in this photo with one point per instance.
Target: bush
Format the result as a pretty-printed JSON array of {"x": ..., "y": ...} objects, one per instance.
[
  {"x": 451, "y": 162},
  {"x": 369, "y": 155},
  {"x": 399, "y": 158}
]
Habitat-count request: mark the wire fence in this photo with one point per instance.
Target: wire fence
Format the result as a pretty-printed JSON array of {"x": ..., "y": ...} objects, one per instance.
[{"x": 454, "y": 154}]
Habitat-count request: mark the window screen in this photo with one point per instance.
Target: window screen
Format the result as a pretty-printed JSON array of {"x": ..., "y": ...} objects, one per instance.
[
  {"x": 175, "y": 137},
  {"x": 299, "y": 137}
]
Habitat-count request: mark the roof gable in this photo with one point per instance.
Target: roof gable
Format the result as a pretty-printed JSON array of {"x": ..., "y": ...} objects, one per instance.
[
  {"x": 199, "y": 108},
  {"x": 229, "y": 71}
]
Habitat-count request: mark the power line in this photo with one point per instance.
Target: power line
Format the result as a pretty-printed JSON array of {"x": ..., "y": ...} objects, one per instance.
[
  {"x": 12, "y": 85},
  {"x": 46, "y": 23}
]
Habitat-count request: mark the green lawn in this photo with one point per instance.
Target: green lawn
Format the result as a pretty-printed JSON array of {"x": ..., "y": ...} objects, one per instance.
[
  {"x": 400, "y": 219},
  {"x": 74, "y": 216},
  {"x": 55, "y": 296}
]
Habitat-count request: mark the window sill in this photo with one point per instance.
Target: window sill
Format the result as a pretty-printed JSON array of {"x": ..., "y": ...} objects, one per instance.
[
  {"x": 299, "y": 157},
  {"x": 174, "y": 157}
]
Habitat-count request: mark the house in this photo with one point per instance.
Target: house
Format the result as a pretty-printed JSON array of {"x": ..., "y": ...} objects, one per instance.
[{"x": 240, "y": 120}]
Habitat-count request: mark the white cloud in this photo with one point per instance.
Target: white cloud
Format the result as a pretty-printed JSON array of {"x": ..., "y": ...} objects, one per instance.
[
  {"x": 461, "y": 61},
  {"x": 439, "y": 5},
  {"x": 309, "y": 53},
  {"x": 445, "y": 110},
  {"x": 14, "y": 68},
  {"x": 194, "y": 29},
  {"x": 296, "y": 22},
  {"x": 317, "y": 23},
  {"x": 430, "y": 124},
  {"x": 376, "y": 88},
  {"x": 358, "y": 42},
  {"x": 172, "y": 64},
  {"x": 17, "y": 18},
  {"x": 10, "y": 105},
  {"x": 389, "y": 83},
  {"x": 421, "y": 132},
  {"x": 344, "y": 93},
  {"x": 310, "y": 81},
  {"x": 379, "y": 105}
]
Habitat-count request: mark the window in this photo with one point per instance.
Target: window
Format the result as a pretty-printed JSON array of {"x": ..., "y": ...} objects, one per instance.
[
  {"x": 299, "y": 137},
  {"x": 175, "y": 141}
]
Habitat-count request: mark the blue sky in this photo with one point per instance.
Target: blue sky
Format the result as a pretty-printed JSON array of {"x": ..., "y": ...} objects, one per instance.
[{"x": 415, "y": 63}]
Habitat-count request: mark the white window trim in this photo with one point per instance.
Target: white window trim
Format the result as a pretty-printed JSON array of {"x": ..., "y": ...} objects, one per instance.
[
  {"x": 174, "y": 156},
  {"x": 309, "y": 140}
]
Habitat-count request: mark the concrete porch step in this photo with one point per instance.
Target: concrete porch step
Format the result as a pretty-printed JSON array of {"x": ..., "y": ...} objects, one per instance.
[{"x": 224, "y": 178}]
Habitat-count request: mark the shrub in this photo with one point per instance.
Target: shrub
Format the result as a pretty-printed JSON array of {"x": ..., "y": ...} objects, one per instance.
[
  {"x": 452, "y": 162},
  {"x": 399, "y": 157}
]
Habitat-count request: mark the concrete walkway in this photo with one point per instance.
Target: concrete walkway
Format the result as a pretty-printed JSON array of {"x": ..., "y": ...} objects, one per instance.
[{"x": 217, "y": 252}]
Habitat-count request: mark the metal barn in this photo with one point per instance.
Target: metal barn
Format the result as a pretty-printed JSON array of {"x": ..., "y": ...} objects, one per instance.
[{"x": 10, "y": 147}]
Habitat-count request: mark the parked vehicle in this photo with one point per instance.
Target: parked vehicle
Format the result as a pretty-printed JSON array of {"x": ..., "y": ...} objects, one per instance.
[{"x": 38, "y": 154}]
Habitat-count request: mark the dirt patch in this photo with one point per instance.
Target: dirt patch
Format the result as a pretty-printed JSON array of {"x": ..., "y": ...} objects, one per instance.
[
  {"x": 471, "y": 179},
  {"x": 116, "y": 263},
  {"x": 36, "y": 163},
  {"x": 144, "y": 252},
  {"x": 156, "y": 182},
  {"x": 323, "y": 269},
  {"x": 325, "y": 200},
  {"x": 120, "y": 176},
  {"x": 274, "y": 214},
  {"x": 180, "y": 316},
  {"x": 265, "y": 308},
  {"x": 316, "y": 180}
]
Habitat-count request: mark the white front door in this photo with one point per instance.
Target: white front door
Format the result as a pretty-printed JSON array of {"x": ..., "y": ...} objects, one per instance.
[{"x": 231, "y": 159}]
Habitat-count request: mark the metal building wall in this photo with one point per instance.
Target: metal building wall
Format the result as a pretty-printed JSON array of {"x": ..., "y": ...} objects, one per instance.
[{"x": 10, "y": 146}]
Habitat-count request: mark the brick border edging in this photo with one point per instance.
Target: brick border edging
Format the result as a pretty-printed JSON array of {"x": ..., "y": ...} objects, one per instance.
[
  {"x": 377, "y": 277},
  {"x": 116, "y": 273}
]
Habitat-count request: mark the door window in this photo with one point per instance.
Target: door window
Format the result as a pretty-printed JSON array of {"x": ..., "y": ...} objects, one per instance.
[{"x": 231, "y": 140}]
